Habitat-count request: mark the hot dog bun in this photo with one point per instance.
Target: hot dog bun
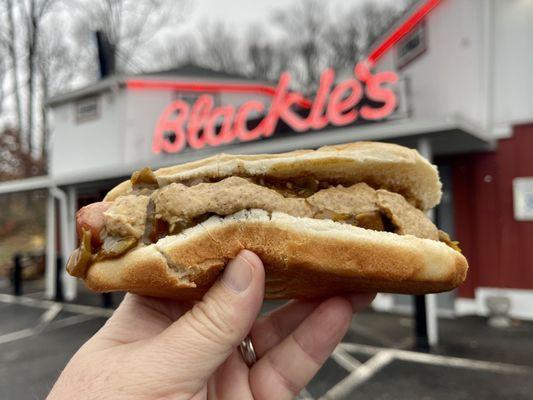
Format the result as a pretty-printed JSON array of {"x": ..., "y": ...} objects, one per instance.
[
  {"x": 389, "y": 166},
  {"x": 303, "y": 257}
]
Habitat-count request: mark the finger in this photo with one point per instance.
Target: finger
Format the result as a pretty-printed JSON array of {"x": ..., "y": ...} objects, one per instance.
[
  {"x": 138, "y": 318},
  {"x": 150, "y": 310},
  {"x": 360, "y": 301},
  {"x": 271, "y": 329},
  {"x": 231, "y": 380},
  {"x": 199, "y": 342},
  {"x": 285, "y": 370}
]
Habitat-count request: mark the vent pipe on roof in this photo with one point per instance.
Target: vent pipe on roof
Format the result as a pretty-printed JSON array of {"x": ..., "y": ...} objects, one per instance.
[{"x": 106, "y": 54}]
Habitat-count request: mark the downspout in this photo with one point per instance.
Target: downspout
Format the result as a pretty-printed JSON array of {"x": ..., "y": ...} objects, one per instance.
[
  {"x": 67, "y": 245},
  {"x": 426, "y": 151},
  {"x": 50, "y": 271}
]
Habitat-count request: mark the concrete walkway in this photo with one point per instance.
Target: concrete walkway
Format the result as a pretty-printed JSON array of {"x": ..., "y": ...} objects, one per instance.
[{"x": 473, "y": 361}]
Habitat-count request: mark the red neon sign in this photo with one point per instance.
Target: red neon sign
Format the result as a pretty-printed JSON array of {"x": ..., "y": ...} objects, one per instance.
[
  {"x": 196, "y": 125},
  {"x": 143, "y": 84},
  {"x": 335, "y": 106}
]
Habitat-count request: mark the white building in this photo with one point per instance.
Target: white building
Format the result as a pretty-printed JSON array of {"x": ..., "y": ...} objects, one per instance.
[{"x": 464, "y": 99}]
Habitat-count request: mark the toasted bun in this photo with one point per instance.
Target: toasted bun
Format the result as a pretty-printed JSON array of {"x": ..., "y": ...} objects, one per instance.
[
  {"x": 389, "y": 166},
  {"x": 303, "y": 257}
]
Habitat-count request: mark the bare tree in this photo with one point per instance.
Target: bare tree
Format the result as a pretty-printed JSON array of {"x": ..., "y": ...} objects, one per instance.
[
  {"x": 33, "y": 12},
  {"x": 2, "y": 77},
  {"x": 9, "y": 41},
  {"x": 376, "y": 19},
  {"x": 24, "y": 22},
  {"x": 311, "y": 40},
  {"x": 19, "y": 209},
  {"x": 219, "y": 48},
  {"x": 177, "y": 49},
  {"x": 15, "y": 161},
  {"x": 43, "y": 60},
  {"x": 262, "y": 59},
  {"x": 317, "y": 40},
  {"x": 357, "y": 28},
  {"x": 303, "y": 26},
  {"x": 130, "y": 25},
  {"x": 59, "y": 66},
  {"x": 265, "y": 59},
  {"x": 343, "y": 39}
]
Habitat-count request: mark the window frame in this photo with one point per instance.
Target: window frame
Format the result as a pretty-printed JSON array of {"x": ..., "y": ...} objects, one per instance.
[
  {"x": 90, "y": 117},
  {"x": 403, "y": 61}
]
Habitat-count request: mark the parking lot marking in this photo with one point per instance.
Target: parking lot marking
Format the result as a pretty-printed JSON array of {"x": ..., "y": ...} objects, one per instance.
[
  {"x": 361, "y": 374},
  {"x": 46, "y": 322},
  {"x": 344, "y": 359},
  {"x": 47, "y": 317},
  {"x": 9, "y": 337},
  {"x": 89, "y": 310},
  {"x": 39, "y": 303},
  {"x": 435, "y": 359},
  {"x": 51, "y": 313},
  {"x": 69, "y": 321},
  {"x": 28, "y": 332},
  {"x": 304, "y": 395}
]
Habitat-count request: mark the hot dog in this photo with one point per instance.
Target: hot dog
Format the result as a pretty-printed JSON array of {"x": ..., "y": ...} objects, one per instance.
[{"x": 361, "y": 206}]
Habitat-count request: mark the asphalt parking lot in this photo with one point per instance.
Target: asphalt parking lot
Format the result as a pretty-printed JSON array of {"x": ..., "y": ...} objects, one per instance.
[{"x": 472, "y": 360}]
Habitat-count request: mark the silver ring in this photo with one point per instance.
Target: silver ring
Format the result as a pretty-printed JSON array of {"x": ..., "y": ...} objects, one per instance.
[{"x": 247, "y": 351}]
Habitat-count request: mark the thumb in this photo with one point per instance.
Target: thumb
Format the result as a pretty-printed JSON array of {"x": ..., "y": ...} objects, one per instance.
[{"x": 206, "y": 335}]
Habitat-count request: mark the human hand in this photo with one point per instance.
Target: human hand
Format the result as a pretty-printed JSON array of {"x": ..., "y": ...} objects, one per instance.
[{"x": 152, "y": 348}]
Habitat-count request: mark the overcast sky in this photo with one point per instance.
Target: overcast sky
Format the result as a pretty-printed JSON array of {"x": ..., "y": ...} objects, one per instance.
[{"x": 242, "y": 14}]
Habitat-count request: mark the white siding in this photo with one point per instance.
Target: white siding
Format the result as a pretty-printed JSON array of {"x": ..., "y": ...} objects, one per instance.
[
  {"x": 464, "y": 48},
  {"x": 513, "y": 62},
  {"x": 121, "y": 137},
  {"x": 448, "y": 78},
  {"x": 481, "y": 73},
  {"x": 78, "y": 147}
]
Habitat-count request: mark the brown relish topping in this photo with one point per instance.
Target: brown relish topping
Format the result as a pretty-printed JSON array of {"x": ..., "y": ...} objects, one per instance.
[
  {"x": 144, "y": 178},
  {"x": 178, "y": 206},
  {"x": 445, "y": 238},
  {"x": 114, "y": 247},
  {"x": 81, "y": 259}
]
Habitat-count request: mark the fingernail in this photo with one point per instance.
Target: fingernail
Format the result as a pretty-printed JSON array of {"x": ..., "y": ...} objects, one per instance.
[{"x": 238, "y": 274}]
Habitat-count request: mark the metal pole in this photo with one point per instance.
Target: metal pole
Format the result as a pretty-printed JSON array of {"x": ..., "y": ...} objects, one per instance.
[
  {"x": 59, "y": 282},
  {"x": 421, "y": 332},
  {"x": 426, "y": 306},
  {"x": 50, "y": 273},
  {"x": 107, "y": 300},
  {"x": 432, "y": 320},
  {"x": 66, "y": 247},
  {"x": 17, "y": 274},
  {"x": 71, "y": 286}
]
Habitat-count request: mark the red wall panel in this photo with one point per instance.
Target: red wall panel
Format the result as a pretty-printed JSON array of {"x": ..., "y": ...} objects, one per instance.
[{"x": 499, "y": 249}]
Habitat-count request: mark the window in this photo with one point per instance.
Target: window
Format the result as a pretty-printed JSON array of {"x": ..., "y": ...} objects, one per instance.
[
  {"x": 411, "y": 46},
  {"x": 87, "y": 109}
]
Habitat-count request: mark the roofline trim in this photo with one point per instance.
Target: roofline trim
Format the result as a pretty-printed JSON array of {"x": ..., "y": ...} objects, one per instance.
[{"x": 378, "y": 131}]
